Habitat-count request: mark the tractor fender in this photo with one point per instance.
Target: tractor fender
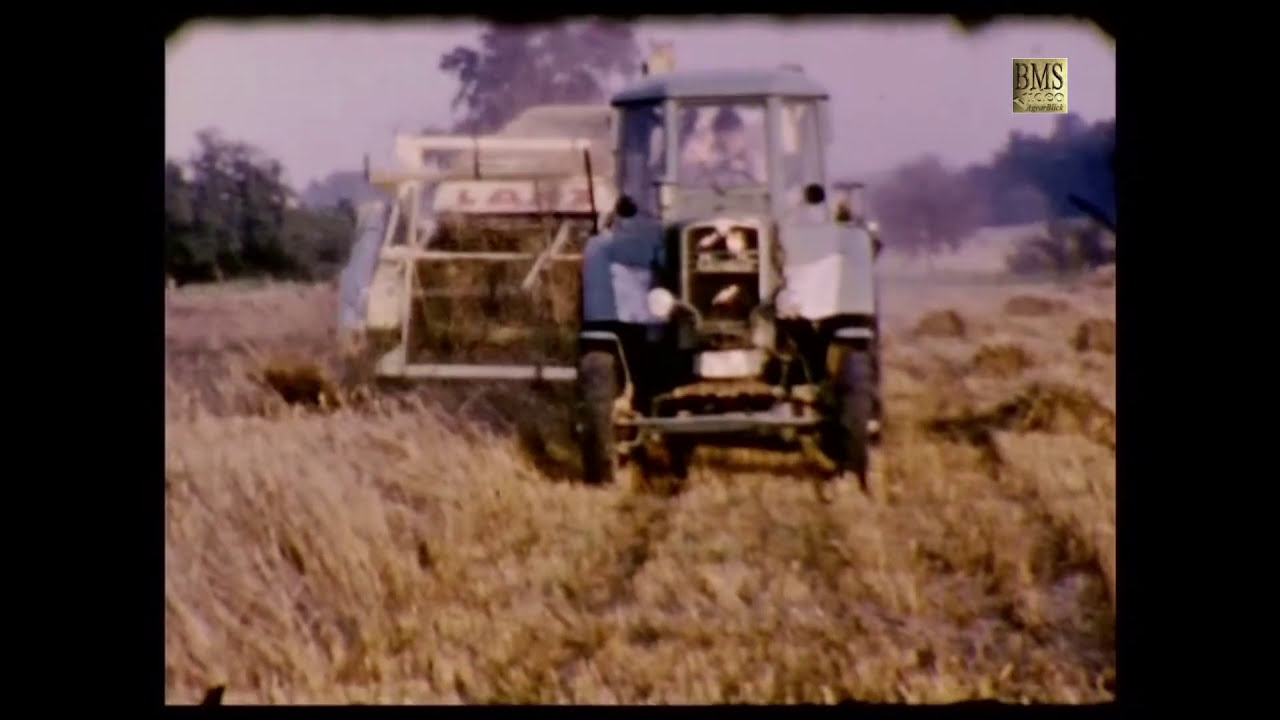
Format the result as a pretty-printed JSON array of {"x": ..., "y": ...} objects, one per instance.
[
  {"x": 614, "y": 338},
  {"x": 828, "y": 271}
]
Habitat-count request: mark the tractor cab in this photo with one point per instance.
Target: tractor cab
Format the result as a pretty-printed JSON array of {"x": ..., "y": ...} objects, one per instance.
[{"x": 698, "y": 143}]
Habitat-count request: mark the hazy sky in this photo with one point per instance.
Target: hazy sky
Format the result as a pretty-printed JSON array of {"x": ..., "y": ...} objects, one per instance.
[{"x": 318, "y": 95}]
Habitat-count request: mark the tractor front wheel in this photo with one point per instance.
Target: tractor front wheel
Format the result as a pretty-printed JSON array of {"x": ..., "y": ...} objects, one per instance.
[
  {"x": 848, "y": 436},
  {"x": 597, "y": 388}
]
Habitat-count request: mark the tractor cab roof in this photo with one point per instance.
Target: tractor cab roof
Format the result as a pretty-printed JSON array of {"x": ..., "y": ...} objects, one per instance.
[{"x": 720, "y": 84}]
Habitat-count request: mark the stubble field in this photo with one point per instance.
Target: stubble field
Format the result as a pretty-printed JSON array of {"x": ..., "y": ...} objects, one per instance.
[{"x": 431, "y": 547}]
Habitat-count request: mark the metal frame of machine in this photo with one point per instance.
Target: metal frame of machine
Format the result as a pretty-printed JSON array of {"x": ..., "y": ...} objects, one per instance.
[{"x": 558, "y": 185}]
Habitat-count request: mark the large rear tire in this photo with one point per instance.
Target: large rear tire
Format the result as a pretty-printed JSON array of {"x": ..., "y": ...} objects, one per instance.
[
  {"x": 597, "y": 388},
  {"x": 849, "y": 438},
  {"x": 877, "y": 388},
  {"x": 680, "y": 453}
]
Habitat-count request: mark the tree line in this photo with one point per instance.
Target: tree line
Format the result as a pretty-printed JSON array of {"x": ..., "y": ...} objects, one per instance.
[
  {"x": 229, "y": 214},
  {"x": 926, "y": 208}
]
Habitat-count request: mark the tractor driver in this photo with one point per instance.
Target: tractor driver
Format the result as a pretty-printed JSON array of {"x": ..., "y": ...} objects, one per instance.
[{"x": 730, "y": 160}]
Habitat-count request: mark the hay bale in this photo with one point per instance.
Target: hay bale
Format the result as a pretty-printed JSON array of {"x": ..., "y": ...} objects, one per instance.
[
  {"x": 1039, "y": 407},
  {"x": 1060, "y": 408},
  {"x": 302, "y": 382},
  {"x": 942, "y": 323},
  {"x": 1006, "y": 360},
  {"x": 1096, "y": 335},
  {"x": 1034, "y": 306},
  {"x": 1103, "y": 277}
]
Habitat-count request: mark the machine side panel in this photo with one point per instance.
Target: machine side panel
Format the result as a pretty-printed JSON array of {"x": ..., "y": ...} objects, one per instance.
[{"x": 357, "y": 276}]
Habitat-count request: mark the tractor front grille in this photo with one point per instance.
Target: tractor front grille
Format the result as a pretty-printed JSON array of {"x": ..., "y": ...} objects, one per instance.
[{"x": 722, "y": 281}]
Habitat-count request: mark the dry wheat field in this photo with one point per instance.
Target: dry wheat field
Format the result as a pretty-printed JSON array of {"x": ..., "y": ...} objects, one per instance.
[{"x": 430, "y": 546}]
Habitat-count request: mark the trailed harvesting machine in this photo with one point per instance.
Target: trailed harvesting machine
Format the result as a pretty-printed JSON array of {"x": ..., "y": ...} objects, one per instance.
[{"x": 470, "y": 268}]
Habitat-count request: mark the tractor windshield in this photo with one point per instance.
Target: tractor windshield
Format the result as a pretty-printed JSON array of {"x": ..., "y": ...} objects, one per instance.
[
  {"x": 642, "y": 161},
  {"x": 723, "y": 145}
]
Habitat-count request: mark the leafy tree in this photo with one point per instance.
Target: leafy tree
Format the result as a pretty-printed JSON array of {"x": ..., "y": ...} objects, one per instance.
[
  {"x": 229, "y": 213},
  {"x": 925, "y": 209},
  {"x": 318, "y": 240},
  {"x": 1063, "y": 247},
  {"x": 1076, "y": 159},
  {"x": 182, "y": 252},
  {"x": 517, "y": 67},
  {"x": 240, "y": 199}
]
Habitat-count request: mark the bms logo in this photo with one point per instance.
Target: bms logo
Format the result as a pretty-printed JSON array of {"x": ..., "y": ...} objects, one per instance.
[{"x": 1040, "y": 85}]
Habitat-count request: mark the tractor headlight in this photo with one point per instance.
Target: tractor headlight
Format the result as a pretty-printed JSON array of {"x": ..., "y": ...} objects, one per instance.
[
  {"x": 762, "y": 330},
  {"x": 736, "y": 241},
  {"x": 661, "y": 303},
  {"x": 786, "y": 304}
]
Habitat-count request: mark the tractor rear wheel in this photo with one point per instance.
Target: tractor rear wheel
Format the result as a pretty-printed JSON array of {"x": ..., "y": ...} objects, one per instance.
[
  {"x": 877, "y": 397},
  {"x": 848, "y": 437},
  {"x": 597, "y": 389},
  {"x": 680, "y": 456}
]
